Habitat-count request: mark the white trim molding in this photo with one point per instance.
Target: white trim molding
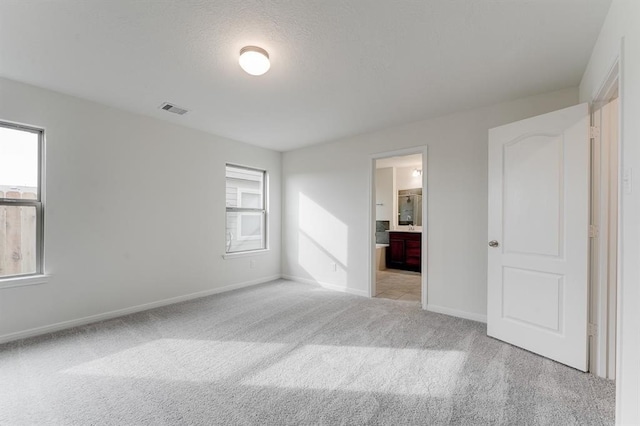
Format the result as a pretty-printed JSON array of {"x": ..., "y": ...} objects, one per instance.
[
  {"x": 22, "y": 280},
  {"x": 356, "y": 292},
  {"x": 248, "y": 253},
  {"x": 456, "y": 313},
  {"x": 130, "y": 310}
]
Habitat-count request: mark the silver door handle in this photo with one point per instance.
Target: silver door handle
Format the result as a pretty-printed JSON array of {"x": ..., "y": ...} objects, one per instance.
[{"x": 493, "y": 244}]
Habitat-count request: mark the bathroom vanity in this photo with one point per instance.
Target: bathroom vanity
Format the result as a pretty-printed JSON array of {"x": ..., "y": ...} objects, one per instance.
[{"x": 405, "y": 250}]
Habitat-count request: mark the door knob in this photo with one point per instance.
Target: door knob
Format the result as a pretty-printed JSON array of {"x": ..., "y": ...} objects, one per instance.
[{"x": 493, "y": 244}]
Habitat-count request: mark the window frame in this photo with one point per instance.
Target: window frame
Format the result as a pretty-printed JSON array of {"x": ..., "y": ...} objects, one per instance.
[
  {"x": 263, "y": 211},
  {"x": 37, "y": 203},
  {"x": 240, "y": 236}
]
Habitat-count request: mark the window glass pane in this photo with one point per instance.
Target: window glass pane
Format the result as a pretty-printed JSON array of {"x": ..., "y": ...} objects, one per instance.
[
  {"x": 244, "y": 188},
  {"x": 249, "y": 226},
  {"x": 245, "y": 231},
  {"x": 17, "y": 240},
  {"x": 18, "y": 163},
  {"x": 250, "y": 200}
]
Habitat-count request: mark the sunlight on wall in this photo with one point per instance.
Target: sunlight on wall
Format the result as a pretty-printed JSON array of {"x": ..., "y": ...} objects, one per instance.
[
  {"x": 318, "y": 263},
  {"x": 325, "y": 229},
  {"x": 322, "y": 242},
  {"x": 180, "y": 360},
  {"x": 365, "y": 369}
]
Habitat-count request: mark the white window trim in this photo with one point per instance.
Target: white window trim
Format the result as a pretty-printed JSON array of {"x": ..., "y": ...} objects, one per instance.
[
  {"x": 23, "y": 280},
  {"x": 264, "y": 211},
  {"x": 39, "y": 277},
  {"x": 248, "y": 253}
]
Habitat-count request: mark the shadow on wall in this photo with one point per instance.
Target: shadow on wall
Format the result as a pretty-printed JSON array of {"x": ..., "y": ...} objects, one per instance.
[{"x": 323, "y": 243}]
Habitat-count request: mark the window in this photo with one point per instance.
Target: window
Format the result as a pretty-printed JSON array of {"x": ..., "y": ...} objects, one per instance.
[
  {"x": 21, "y": 215},
  {"x": 246, "y": 209}
]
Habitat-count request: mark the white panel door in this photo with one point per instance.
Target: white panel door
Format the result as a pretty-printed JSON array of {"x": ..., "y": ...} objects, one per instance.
[{"x": 538, "y": 250}]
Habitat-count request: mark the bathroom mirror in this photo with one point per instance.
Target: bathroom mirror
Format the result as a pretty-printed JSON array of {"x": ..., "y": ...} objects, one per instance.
[{"x": 410, "y": 207}]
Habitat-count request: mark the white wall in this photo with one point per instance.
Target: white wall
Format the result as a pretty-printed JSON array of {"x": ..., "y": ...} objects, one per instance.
[
  {"x": 134, "y": 210},
  {"x": 327, "y": 202},
  {"x": 623, "y": 22},
  {"x": 384, "y": 193},
  {"x": 406, "y": 180}
]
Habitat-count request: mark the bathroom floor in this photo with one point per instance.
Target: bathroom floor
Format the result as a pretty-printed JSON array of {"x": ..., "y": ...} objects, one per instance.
[{"x": 398, "y": 285}]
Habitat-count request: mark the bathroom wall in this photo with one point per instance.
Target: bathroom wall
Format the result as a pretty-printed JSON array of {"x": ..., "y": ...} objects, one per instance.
[
  {"x": 384, "y": 194},
  {"x": 406, "y": 180}
]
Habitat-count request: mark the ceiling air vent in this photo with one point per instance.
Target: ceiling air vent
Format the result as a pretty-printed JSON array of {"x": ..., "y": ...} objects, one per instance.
[{"x": 174, "y": 109}]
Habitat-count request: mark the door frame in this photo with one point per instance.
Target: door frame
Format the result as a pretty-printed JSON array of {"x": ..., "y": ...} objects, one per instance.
[
  {"x": 601, "y": 343},
  {"x": 371, "y": 242}
]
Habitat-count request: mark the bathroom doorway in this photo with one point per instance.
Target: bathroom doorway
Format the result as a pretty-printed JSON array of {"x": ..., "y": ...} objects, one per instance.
[{"x": 398, "y": 226}]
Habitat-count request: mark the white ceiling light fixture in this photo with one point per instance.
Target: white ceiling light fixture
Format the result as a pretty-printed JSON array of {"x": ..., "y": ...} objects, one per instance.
[
  {"x": 254, "y": 60},
  {"x": 416, "y": 172}
]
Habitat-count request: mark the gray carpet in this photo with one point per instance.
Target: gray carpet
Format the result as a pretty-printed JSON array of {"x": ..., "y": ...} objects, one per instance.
[{"x": 289, "y": 353}]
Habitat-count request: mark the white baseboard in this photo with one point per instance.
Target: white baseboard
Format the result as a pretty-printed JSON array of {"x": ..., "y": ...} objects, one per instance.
[
  {"x": 457, "y": 313},
  {"x": 328, "y": 286},
  {"x": 130, "y": 310}
]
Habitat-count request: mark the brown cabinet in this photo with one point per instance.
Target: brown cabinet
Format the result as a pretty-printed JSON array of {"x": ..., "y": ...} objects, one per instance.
[{"x": 405, "y": 251}]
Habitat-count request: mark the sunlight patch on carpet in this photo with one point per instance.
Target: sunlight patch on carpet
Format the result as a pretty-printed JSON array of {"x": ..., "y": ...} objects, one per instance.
[
  {"x": 179, "y": 360},
  {"x": 365, "y": 369}
]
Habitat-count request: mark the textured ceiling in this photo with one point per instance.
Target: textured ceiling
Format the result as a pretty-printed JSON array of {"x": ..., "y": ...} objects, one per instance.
[{"x": 338, "y": 67}]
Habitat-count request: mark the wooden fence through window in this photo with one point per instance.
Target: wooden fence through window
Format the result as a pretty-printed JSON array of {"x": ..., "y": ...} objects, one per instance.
[{"x": 17, "y": 236}]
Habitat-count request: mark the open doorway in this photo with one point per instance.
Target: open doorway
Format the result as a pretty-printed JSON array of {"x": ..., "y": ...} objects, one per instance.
[
  {"x": 604, "y": 218},
  {"x": 399, "y": 217}
]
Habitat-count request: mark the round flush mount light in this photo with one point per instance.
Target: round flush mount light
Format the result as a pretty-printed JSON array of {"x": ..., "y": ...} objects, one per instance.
[{"x": 254, "y": 60}]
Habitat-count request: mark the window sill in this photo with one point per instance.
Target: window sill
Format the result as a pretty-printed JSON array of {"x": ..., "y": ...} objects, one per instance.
[
  {"x": 11, "y": 282},
  {"x": 227, "y": 256}
]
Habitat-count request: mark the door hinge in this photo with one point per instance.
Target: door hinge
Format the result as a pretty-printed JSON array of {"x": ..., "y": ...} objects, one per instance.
[
  {"x": 593, "y": 231},
  {"x": 594, "y": 132},
  {"x": 593, "y": 329}
]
